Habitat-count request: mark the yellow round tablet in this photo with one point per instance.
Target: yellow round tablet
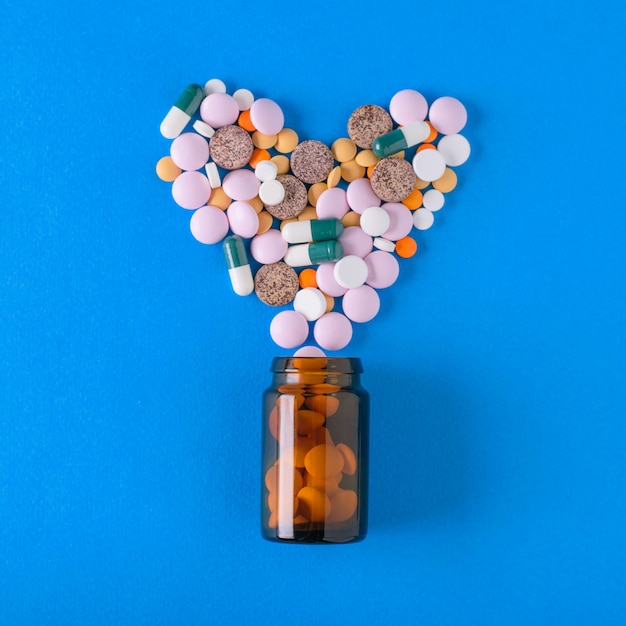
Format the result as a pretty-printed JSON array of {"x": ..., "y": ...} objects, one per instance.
[
  {"x": 315, "y": 191},
  {"x": 256, "y": 203},
  {"x": 282, "y": 163},
  {"x": 365, "y": 158},
  {"x": 447, "y": 182},
  {"x": 351, "y": 170},
  {"x": 343, "y": 149},
  {"x": 167, "y": 170},
  {"x": 421, "y": 184},
  {"x": 219, "y": 199},
  {"x": 265, "y": 222},
  {"x": 264, "y": 142},
  {"x": 351, "y": 218},
  {"x": 286, "y": 140},
  {"x": 334, "y": 177},
  {"x": 308, "y": 214}
]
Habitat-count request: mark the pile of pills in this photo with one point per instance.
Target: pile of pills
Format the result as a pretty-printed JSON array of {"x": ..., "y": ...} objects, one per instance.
[{"x": 315, "y": 228}]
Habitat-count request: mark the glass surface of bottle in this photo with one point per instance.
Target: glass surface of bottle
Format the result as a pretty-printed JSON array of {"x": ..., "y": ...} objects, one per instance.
[{"x": 315, "y": 451}]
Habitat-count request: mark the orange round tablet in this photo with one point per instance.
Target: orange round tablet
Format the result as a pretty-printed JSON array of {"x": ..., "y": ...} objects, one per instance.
[
  {"x": 406, "y": 247},
  {"x": 349, "y": 459},
  {"x": 323, "y": 461},
  {"x": 329, "y": 486},
  {"x": 167, "y": 170},
  {"x": 327, "y": 405},
  {"x": 314, "y": 504},
  {"x": 245, "y": 122},
  {"x": 307, "y": 421},
  {"x": 258, "y": 155},
  {"x": 342, "y": 505},
  {"x": 271, "y": 477},
  {"x": 308, "y": 278}
]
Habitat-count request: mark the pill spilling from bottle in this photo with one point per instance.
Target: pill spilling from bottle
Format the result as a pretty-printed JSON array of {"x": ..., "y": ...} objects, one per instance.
[{"x": 332, "y": 221}]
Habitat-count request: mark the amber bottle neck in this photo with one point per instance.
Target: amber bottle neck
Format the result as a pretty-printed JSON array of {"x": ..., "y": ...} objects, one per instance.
[{"x": 341, "y": 372}]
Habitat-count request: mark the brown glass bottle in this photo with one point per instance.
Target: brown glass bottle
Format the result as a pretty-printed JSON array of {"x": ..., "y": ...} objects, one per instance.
[{"x": 315, "y": 451}]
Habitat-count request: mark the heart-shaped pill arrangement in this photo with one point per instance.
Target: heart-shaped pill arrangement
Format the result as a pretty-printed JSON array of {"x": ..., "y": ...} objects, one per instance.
[{"x": 317, "y": 229}]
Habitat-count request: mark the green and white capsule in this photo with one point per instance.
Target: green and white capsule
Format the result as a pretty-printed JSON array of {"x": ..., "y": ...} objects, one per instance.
[
  {"x": 313, "y": 253},
  {"x": 400, "y": 139},
  {"x": 238, "y": 266},
  {"x": 187, "y": 104},
  {"x": 312, "y": 230}
]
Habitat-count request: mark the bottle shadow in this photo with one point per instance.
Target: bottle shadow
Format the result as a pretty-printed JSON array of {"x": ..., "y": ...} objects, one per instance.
[{"x": 418, "y": 450}]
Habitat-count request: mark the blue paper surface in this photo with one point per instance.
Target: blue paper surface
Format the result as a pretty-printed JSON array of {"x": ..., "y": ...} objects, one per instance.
[{"x": 131, "y": 375}]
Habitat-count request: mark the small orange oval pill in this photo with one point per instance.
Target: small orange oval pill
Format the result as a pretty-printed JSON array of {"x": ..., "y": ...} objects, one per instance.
[
  {"x": 327, "y": 405},
  {"x": 167, "y": 170},
  {"x": 406, "y": 247},
  {"x": 323, "y": 461},
  {"x": 308, "y": 278},
  {"x": 245, "y": 122},
  {"x": 307, "y": 421},
  {"x": 314, "y": 504},
  {"x": 342, "y": 505},
  {"x": 329, "y": 486},
  {"x": 425, "y": 146},
  {"x": 349, "y": 459}
]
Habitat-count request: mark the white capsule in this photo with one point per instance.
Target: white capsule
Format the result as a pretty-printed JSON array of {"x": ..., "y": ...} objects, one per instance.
[
  {"x": 241, "y": 280},
  {"x": 174, "y": 123}
]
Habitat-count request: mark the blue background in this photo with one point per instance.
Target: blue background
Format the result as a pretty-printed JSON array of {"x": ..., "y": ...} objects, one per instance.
[{"x": 130, "y": 375}]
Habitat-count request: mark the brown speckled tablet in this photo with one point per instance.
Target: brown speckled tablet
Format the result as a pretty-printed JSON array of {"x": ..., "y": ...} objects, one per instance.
[
  {"x": 367, "y": 123},
  {"x": 295, "y": 198},
  {"x": 311, "y": 161},
  {"x": 231, "y": 147},
  {"x": 393, "y": 179},
  {"x": 276, "y": 284}
]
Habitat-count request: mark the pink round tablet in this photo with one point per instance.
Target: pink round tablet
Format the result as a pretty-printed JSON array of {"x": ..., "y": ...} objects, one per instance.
[
  {"x": 243, "y": 219},
  {"x": 309, "y": 351},
  {"x": 270, "y": 247},
  {"x": 191, "y": 190},
  {"x": 190, "y": 151},
  {"x": 361, "y": 304},
  {"x": 241, "y": 185},
  {"x": 408, "y": 106},
  {"x": 356, "y": 242},
  {"x": 219, "y": 109},
  {"x": 447, "y": 115},
  {"x": 361, "y": 196},
  {"x": 332, "y": 203},
  {"x": 289, "y": 329},
  {"x": 266, "y": 116},
  {"x": 325, "y": 276},
  {"x": 400, "y": 221},
  {"x": 333, "y": 331},
  {"x": 383, "y": 269},
  {"x": 209, "y": 224}
]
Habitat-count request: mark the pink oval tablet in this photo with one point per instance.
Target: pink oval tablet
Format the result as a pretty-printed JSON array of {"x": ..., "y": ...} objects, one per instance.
[
  {"x": 219, "y": 109},
  {"x": 243, "y": 219},
  {"x": 361, "y": 304},
  {"x": 325, "y": 276},
  {"x": 241, "y": 185},
  {"x": 408, "y": 106},
  {"x": 270, "y": 247},
  {"x": 190, "y": 151},
  {"x": 332, "y": 203},
  {"x": 266, "y": 116},
  {"x": 191, "y": 190},
  {"x": 356, "y": 242},
  {"x": 383, "y": 269},
  {"x": 401, "y": 221},
  {"x": 447, "y": 115},
  {"x": 209, "y": 224},
  {"x": 289, "y": 329},
  {"x": 309, "y": 351},
  {"x": 333, "y": 331},
  {"x": 361, "y": 196}
]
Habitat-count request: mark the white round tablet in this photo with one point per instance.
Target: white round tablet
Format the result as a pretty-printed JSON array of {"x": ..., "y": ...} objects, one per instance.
[
  {"x": 384, "y": 244},
  {"x": 266, "y": 170},
  {"x": 244, "y": 98},
  {"x": 455, "y": 149},
  {"x": 213, "y": 174},
  {"x": 423, "y": 219},
  {"x": 215, "y": 85},
  {"x": 429, "y": 165},
  {"x": 433, "y": 200},
  {"x": 351, "y": 271},
  {"x": 271, "y": 192},
  {"x": 374, "y": 221},
  {"x": 202, "y": 128},
  {"x": 311, "y": 303}
]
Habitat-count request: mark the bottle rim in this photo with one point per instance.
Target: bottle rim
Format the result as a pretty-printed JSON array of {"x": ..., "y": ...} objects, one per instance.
[{"x": 296, "y": 364}]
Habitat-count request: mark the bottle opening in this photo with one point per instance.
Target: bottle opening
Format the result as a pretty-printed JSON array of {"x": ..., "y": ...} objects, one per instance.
[{"x": 296, "y": 364}]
